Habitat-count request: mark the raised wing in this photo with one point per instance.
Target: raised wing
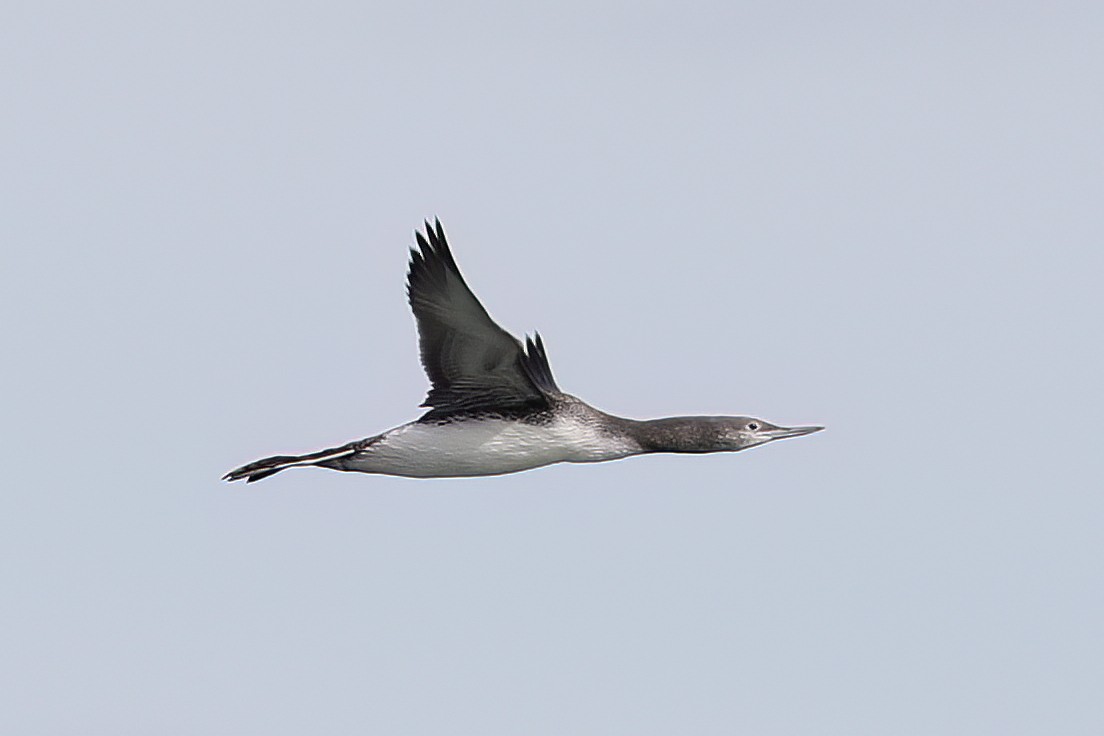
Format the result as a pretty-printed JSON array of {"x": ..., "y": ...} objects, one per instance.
[{"x": 473, "y": 364}]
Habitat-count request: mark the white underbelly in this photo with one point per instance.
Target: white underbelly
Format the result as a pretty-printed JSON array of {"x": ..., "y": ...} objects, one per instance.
[{"x": 486, "y": 447}]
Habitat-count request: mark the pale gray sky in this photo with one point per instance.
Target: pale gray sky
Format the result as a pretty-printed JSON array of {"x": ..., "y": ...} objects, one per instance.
[{"x": 882, "y": 219}]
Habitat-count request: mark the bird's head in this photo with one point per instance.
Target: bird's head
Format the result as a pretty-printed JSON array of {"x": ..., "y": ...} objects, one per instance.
[
  {"x": 740, "y": 433},
  {"x": 711, "y": 434}
]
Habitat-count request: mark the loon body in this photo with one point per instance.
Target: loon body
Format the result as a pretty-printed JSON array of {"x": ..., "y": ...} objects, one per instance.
[{"x": 494, "y": 406}]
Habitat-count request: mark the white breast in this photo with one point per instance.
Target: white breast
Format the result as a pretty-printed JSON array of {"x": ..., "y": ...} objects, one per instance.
[{"x": 488, "y": 447}]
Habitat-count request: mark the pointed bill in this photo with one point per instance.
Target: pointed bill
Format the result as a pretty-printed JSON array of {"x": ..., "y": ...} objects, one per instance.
[{"x": 782, "y": 433}]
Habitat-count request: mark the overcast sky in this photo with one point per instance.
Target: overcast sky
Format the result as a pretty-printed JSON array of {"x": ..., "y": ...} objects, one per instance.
[{"x": 884, "y": 220}]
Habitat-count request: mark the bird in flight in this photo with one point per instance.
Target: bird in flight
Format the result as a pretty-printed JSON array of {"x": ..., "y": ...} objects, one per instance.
[{"x": 494, "y": 406}]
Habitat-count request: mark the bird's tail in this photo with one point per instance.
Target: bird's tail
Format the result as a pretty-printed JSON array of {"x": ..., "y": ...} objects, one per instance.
[{"x": 261, "y": 469}]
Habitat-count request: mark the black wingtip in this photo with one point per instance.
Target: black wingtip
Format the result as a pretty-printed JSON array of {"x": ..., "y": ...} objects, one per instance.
[
  {"x": 537, "y": 366},
  {"x": 430, "y": 258},
  {"x": 431, "y": 239},
  {"x": 435, "y": 234}
]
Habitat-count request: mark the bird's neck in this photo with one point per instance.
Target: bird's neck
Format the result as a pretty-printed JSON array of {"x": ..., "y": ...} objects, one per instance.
[{"x": 675, "y": 434}]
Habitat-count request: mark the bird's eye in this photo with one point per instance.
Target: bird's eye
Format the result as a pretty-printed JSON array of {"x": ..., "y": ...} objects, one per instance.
[{"x": 753, "y": 426}]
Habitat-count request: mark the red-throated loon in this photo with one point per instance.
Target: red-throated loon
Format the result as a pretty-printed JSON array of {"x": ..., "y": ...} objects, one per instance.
[{"x": 494, "y": 407}]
